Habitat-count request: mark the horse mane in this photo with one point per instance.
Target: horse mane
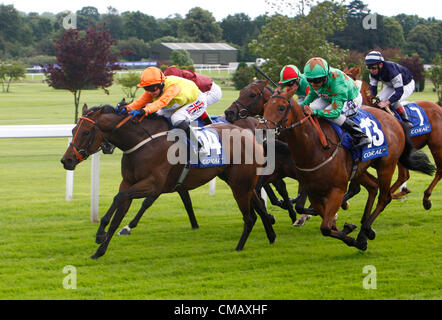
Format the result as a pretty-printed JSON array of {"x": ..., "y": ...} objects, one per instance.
[{"x": 259, "y": 81}]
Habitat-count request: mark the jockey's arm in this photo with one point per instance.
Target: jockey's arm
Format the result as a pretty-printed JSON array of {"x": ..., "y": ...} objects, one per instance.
[
  {"x": 168, "y": 94},
  {"x": 310, "y": 98},
  {"x": 398, "y": 86},
  {"x": 141, "y": 102},
  {"x": 373, "y": 86},
  {"x": 333, "y": 111}
]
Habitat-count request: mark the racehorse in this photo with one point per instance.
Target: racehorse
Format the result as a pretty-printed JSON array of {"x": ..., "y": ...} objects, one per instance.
[
  {"x": 250, "y": 103},
  {"x": 325, "y": 173},
  {"x": 147, "y": 173},
  {"x": 432, "y": 140}
]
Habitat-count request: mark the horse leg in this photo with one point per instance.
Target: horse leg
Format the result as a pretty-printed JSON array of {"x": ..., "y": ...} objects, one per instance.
[
  {"x": 124, "y": 205},
  {"x": 144, "y": 206},
  {"x": 328, "y": 212},
  {"x": 101, "y": 233},
  {"x": 403, "y": 176},
  {"x": 282, "y": 190},
  {"x": 272, "y": 196},
  {"x": 243, "y": 199},
  {"x": 353, "y": 189},
  {"x": 307, "y": 213},
  {"x": 384, "y": 180},
  {"x": 265, "y": 217},
  {"x": 185, "y": 197},
  {"x": 370, "y": 183},
  {"x": 426, "y": 201}
]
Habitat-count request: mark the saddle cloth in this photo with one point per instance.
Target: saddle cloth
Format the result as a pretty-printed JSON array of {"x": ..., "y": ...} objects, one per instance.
[
  {"x": 418, "y": 118},
  {"x": 372, "y": 128}
]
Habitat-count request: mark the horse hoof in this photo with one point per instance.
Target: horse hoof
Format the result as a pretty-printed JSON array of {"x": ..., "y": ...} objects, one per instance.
[
  {"x": 348, "y": 228},
  {"x": 427, "y": 204},
  {"x": 362, "y": 245},
  {"x": 125, "y": 231},
  {"x": 345, "y": 205},
  {"x": 272, "y": 219},
  {"x": 371, "y": 234},
  {"x": 299, "y": 223}
]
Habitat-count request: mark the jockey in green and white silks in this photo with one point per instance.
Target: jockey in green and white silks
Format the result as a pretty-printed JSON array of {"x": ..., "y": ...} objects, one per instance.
[
  {"x": 291, "y": 77},
  {"x": 334, "y": 96}
]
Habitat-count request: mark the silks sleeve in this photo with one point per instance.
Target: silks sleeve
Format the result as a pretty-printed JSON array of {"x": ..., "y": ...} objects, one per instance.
[
  {"x": 168, "y": 94},
  {"x": 331, "y": 112},
  {"x": 310, "y": 98},
  {"x": 145, "y": 98}
]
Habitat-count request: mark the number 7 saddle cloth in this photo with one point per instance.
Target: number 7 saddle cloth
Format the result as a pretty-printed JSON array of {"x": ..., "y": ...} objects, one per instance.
[{"x": 418, "y": 118}]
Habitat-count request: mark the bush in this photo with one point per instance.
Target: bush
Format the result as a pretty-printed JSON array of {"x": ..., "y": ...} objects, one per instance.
[{"x": 243, "y": 76}]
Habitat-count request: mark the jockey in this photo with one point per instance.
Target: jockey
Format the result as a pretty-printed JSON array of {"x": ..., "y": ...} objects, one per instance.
[
  {"x": 334, "y": 96},
  {"x": 176, "y": 98},
  {"x": 291, "y": 78},
  {"x": 398, "y": 80}
]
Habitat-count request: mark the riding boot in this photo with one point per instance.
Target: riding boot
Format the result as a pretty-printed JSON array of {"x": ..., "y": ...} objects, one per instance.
[
  {"x": 191, "y": 135},
  {"x": 206, "y": 118},
  {"x": 406, "y": 120},
  {"x": 358, "y": 136}
]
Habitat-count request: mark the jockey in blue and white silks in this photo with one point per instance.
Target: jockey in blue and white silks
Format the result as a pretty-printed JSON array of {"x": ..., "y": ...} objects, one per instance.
[{"x": 398, "y": 81}]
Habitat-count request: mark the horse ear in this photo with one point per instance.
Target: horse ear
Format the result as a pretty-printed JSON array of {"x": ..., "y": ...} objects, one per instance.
[
  {"x": 266, "y": 83},
  {"x": 345, "y": 69},
  {"x": 84, "y": 109}
]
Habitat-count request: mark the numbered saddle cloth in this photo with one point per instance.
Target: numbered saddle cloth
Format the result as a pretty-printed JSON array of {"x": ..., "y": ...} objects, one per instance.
[
  {"x": 215, "y": 119},
  {"x": 211, "y": 142},
  {"x": 373, "y": 129},
  {"x": 418, "y": 118}
]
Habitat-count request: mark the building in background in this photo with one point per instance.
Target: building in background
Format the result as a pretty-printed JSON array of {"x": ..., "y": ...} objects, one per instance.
[{"x": 200, "y": 53}]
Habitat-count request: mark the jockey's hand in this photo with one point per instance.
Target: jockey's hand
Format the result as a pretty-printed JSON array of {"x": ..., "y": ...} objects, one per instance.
[
  {"x": 137, "y": 113},
  {"x": 120, "y": 105},
  {"x": 308, "y": 110},
  {"x": 121, "y": 111},
  {"x": 384, "y": 104}
]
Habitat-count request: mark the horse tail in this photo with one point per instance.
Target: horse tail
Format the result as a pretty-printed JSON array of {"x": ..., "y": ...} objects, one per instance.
[{"x": 413, "y": 159}]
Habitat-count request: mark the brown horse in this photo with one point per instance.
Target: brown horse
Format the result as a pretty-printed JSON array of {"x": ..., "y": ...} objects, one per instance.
[
  {"x": 147, "y": 173},
  {"x": 325, "y": 173},
  {"x": 250, "y": 103},
  {"x": 432, "y": 140}
]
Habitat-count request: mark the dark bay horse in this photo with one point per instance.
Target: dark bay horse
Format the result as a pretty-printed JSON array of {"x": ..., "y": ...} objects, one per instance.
[
  {"x": 250, "y": 103},
  {"x": 147, "y": 173},
  {"x": 325, "y": 173},
  {"x": 432, "y": 140}
]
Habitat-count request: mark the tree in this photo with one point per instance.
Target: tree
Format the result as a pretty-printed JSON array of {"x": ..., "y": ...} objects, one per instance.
[
  {"x": 10, "y": 72},
  {"x": 416, "y": 65},
  {"x": 83, "y": 62},
  {"x": 286, "y": 40},
  {"x": 200, "y": 25},
  {"x": 242, "y": 76},
  {"x": 435, "y": 75},
  {"x": 133, "y": 49},
  {"x": 139, "y": 25},
  {"x": 129, "y": 84},
  {"x": 181, "y": 58},
  {"x": 424, "y": 40},
  {"x": 237, "y": 29}
]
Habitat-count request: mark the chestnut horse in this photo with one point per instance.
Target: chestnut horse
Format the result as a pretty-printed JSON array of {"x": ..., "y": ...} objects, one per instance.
[
  {"x": 432, "y": 140},
  {"x": 250, "y": 103},
  {"x": 147, "y": 173},
  {"x": 325, "y": 173}
]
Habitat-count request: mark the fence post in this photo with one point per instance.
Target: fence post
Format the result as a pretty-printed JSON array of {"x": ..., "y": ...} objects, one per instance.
[
  {"x": 69, "y": 180},
  {"x": 95, "y": 186}
]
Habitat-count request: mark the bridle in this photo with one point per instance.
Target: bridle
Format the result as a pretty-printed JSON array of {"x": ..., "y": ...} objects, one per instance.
[
  {"x": 244, "y": 112},
  {"x": 83, "y": 154},
  {"x": 279, "y": 126}
]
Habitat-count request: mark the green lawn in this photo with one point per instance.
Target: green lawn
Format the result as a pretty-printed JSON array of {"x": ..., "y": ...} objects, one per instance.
[{"x": 41, "y": 233}]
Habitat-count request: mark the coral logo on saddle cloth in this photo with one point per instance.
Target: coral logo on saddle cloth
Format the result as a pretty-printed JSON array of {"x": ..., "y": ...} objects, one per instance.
[
  {"x": 211, "y": 142},
  {"x": 417, "y": 116}
]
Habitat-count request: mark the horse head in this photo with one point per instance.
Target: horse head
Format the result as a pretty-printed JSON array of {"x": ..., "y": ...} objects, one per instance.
[
  {"x": 281, "y": 112},
  {"x": 353, "y": 72},
  {"x": 87, "y": 138},
  {"x": 250, "y": 101}
]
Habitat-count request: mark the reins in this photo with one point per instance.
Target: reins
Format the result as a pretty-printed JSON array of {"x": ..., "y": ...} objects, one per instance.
[{"x": 82, "y": 154}]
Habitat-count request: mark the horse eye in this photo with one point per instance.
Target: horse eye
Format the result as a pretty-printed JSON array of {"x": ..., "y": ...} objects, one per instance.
[
  {"x": 253, "y": 95},
  {"x": 281, "y": 108},
  {"x": 85, "y": 133}
]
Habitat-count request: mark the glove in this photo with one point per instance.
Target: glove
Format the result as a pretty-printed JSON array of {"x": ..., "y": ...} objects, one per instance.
[
  {"x": 136, "y": 113},
  {"x": 120, "y": 106},
  {"x": 123, "y": 111}
]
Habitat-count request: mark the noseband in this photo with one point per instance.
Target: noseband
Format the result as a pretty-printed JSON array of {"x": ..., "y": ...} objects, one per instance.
[
  {"x": 83, "y": 154},
  {"x": 279, "y": 126},
  {"x": 244, "y": 112}
]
